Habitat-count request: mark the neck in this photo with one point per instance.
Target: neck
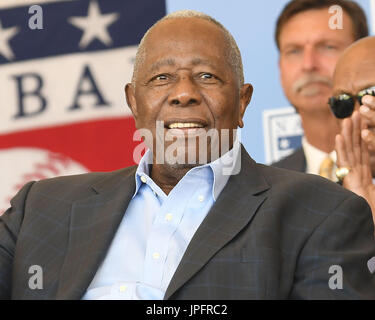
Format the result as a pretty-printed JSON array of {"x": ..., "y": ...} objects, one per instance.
[
  {"x": 167, "y": 177},
  {"x": 320, "y": 130}
]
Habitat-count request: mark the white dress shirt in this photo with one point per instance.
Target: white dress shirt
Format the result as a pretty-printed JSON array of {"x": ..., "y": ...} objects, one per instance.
[
  {"x": 314, "y": 158},
  {"x": 156, "y": 230}
]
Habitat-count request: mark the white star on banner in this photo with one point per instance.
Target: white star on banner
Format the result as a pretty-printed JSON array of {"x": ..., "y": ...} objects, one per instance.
[
  {"x": 284, "y": 143},
  {"x": 5, "y": 36},
  {"x": 94, "y": 26}
]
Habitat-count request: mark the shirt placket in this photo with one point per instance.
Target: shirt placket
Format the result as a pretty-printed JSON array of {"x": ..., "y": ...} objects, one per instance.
[{"x": 164, "y": 227}]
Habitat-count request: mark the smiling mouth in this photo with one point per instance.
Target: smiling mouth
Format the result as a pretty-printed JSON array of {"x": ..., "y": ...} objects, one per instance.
[{"x": 184, "y": 125}]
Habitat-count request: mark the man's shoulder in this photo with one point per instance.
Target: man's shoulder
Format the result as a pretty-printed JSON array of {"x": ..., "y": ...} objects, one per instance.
[
  {"x": 90, "y": 177},
  {"x": 306, "y": 201},
  {"x": 295, "y": 161},
  {"x": 74, "y": 186},
  {"x": 305, "y": 189},
  {"x": 283, "y": 176},
  {"x": 287, "y": 183}
]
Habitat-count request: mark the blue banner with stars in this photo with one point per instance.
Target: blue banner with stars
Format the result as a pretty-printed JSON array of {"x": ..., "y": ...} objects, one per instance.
[
  {"x": 63, "y": 68},
  {"x": 75, "y": 26}
]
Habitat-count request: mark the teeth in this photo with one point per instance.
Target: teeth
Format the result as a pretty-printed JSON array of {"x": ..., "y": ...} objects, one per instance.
[{"x": 180, "y": 125}]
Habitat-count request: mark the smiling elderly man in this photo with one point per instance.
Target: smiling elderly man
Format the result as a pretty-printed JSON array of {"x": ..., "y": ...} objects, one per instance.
[{"x": 179, "y": 230}]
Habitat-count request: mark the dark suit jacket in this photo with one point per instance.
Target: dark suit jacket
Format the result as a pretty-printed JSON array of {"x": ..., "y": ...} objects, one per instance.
[
  {"x": 295, "y": 161},
  {"x": 272, "y": 234}
]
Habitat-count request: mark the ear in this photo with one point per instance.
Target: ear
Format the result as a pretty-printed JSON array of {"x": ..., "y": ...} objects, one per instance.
[
  {"x": 130, "y": 99},
  {"x": 245, "y": 97}
]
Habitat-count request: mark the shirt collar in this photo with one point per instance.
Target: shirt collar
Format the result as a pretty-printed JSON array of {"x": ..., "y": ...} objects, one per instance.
[
  {"x": 315, "y": 156},
  {"x": 142, "y": 170},
  {"x": 222, "y": 168}
]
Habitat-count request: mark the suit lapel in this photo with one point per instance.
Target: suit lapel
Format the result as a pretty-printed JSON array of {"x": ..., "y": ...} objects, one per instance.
[
  {"x": 94, "y": 222},
  {"x": 300, "y": 160},
  {"x": 232, "y": 211}
]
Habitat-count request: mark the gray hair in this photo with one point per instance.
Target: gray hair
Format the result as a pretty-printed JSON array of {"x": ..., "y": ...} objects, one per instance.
[{"x": 234, "y": 54}]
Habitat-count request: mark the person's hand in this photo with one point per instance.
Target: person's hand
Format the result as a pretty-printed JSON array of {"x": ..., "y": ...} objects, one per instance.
[
  {"x": 367, "y": 110},
  {"x": 352, "y": 152}
]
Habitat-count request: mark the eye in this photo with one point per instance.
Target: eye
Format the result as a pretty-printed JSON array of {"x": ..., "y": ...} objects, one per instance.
[
  {"x": 206, "y": 75},
  {"x": 207, "y": 78},
  {"x": 329, "y": 47},
  {"x": 293, "y": 51},
  {"x": 160, "y": 77}
]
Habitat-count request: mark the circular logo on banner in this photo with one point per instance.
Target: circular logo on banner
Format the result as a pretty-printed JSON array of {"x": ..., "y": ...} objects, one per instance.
[{"x": 28, "y": 164}]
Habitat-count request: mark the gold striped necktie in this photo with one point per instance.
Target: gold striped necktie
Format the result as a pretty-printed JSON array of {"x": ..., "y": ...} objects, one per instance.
[{"x": 326, "y": 167}]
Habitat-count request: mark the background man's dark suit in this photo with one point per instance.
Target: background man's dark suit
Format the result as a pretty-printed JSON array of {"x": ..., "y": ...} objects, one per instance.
[
  {"x": 295, "y": 161},
  {"x": 272, "y": 233}
]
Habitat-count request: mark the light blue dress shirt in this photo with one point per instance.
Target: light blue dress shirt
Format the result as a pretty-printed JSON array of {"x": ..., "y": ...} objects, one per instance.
[{"x": 156, "y": 230}]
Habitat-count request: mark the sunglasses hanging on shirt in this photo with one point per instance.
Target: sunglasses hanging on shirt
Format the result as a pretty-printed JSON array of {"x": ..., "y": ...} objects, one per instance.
[{"x": 342, "y": 106}]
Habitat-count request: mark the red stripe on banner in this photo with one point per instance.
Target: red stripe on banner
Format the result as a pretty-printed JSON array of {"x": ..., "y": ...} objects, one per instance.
[{"x": 103, "y": 145}]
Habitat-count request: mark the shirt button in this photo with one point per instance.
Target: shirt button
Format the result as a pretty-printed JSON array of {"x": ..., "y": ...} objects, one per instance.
[
  {"x": 200, "y": 198},
  {"x": 122, "y": 288},
  {"x": 169, "y": 216},
  {"x": 143, "y": 179},
  {"x": 156, "y": 255}
]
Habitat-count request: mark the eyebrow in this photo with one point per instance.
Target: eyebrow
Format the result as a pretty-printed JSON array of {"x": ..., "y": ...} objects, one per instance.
[
  {"x": 294, "y": 44},
  {"x": 157, "y": 65},
  {"x": 199, "y": 61}
]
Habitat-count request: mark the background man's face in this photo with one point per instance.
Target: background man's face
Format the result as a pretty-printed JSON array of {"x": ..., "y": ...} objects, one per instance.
[
  {"x": 186, "y": 78},
  {"x": 354, "y": 73},
  {"x": 309, "y": 50}
]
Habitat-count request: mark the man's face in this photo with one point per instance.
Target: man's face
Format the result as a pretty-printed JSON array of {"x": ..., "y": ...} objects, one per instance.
[
  {"x": 309, "y": 50},
  {"x": 355, "y": 73},
  {"x": 185, "y": 80}
]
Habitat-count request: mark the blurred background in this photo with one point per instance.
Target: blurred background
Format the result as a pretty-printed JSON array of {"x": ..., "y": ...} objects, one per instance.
[{"x": 64, "y": 64}]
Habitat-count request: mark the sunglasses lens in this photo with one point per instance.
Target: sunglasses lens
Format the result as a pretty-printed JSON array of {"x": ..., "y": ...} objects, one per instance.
[
  {"x": 361, "y": 94},
  {"x": 341, "y": 108}
]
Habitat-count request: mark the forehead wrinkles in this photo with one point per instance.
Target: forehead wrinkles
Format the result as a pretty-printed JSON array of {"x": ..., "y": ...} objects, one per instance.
[
  {"x": 162, "y": 31},
  {"x": 343, "y": 78},
  {"x": 197, "y": 58},
  {"x": 176, "y": 37},
  {"x": 172, "y": 62},
  {"x": 352, "y": 80},
  {"x": 355, "y": 69}
]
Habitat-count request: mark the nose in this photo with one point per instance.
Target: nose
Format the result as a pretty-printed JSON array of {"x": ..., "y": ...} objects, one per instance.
[
  {"x": 184, "y": 93},
  {"x": 309, "y": 62}
]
